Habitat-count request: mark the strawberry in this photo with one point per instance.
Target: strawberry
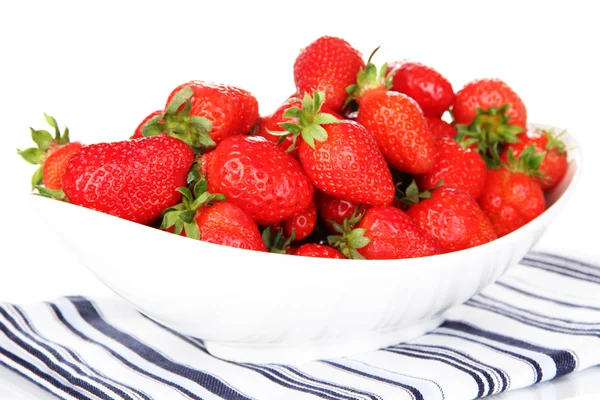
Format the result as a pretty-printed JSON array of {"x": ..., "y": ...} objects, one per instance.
[
  {"x": 454, "y": 218},
  {"x": 440, "y": 128},
  {"x": 394, "y": 119},
  {"x": 430, "y": 89},
  {"x": 485, "y": 94},
  {"x": 554, "y": 165},
  {"x": 383, "y": 232},
  {"x": 334, "y": 209},
  {"x": 259, "y": 177},
  {"x": 457, "y": 167},
  {"x": 510, "y": 197},
  {"x": 138, "y": 131},
  {"x": 207, "y": 112},
  {"x": 317, "y": 250},
  {"x": 302, "y": 224},
  {"x": 52, "y": 154},
  {"x": 221, "y": 223},
  {"x": 329, "y": 64},
  {"x": 340, "y": 157},
  {"x": 133, "y": 179}
]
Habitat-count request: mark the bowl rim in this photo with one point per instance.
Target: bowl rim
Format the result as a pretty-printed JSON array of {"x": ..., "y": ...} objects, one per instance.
[{"x": 575, "y": 156}]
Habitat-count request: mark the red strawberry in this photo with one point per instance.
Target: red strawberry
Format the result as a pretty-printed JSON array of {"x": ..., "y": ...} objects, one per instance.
[
  {"x": 340, "y": 157},
  {"x": 259, "y": 177},
  {"x": 302, "y": 224},
  {"x": 133, "y": 179},
  {"x": 221, "y": 223},
  {"x": 440, "y": 128},
  {"x": 329, "y": 65},
  {"x": 384, "y": 232},
  {"x": 317, "y": 250},
  {"x": 52, "y": 154},
  {"x": 138, "y": 131},
  {"x": 430, "y": 89},
  {"x": 334, "y": 209},
  {"x": 395, "y": 120},
  {"x": 554, "y": 165},
  {"x": 510, "y": 197},
  {"x": 205, "y": 112},
  {"x": 485, "y": 94},
  {"x": 454, "y": 218},
  {"x": 457, "y": 167}
]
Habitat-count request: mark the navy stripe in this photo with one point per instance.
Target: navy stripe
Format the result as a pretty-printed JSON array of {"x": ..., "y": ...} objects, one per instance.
[
  {"x": 548, "y": 299},
  {"x": 430, "y": 356},
  {"x": 561, "y": 270},
  {"x": 415, "y": 393},
  {"x": 475, "y": 363},
  {"x": 76, "y": 357},
  {"x": 534, "y": 364},
  {"x": 298, "y": 385},
  {"x": 75, "y": 381},
  {"x": 27, "y": 377},
  {"x": 44, "y": 376},
  {"x": 564, "y": 360},
  {"x": 572, "y": 261},
  {"x": 513, "y": 307},
  {"x": 211, "y": 383},
  {"x": 532, "y": 322},
  {"x": 123, "y": 360},
  {"x": 60, "y": 358}
]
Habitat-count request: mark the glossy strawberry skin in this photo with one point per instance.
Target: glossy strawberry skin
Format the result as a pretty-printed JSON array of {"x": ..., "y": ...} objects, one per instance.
[
  {"x": 486, "y": 93},
  {"x": 399, "y": 127},
  {"x": 231, "y": 110},
  {"x": 55, "y": 164},
  {"x": 458, "y": 167},
  {"x": 510, "y": 200},
  {"x": 259, "y": 177},
  {"x": 554, "y": 165},
  {"x": 134, "y": 179},
  {"x": 430, "y": 89},
  {"x": 395, "y": 235},
  {"x": 302, "y": 224},
  {"x": 348, "y": 165},
  {"x": 440, "y": 128},
  {"x": 332, "y": 208},
  {"x": 454, "y": 218},
  {"x": 328, "y": 64},
  {"x": 138, "y": 131},
  {"x": 317, "y": 250},
  {"x": 227, "y": 224}
]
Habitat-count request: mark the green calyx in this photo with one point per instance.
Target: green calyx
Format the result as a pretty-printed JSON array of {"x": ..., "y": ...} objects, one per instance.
[
  {"x": 310, "y": 121},
  {"x": 275, "y": 241},
  {"x": 490, "y": 130},
  {"x": 178, "y": 123},
  {"x": 182, "y": 217},
  {"x": 44, "y": 141},
  {"x": 349, "y": 239},
  {"x": 369, "y": 78},
  {"x": 528, "y": 162},
  {"x": 554, "y": 142},
  {"x": 51, "y": 193},
  {"x": 412, "y": 195}
]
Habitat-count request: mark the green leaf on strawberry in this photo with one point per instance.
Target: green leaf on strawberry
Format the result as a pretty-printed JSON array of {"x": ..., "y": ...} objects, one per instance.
[
  {"x": 489, "y": 131},
  {"x": 349, "y": 239},
  {"x": 310, "y": 118},
  {"x": 178, "y": 123}
]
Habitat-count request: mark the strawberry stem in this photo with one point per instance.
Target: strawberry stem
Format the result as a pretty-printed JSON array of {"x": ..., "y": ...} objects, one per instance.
[{"x": 349, "y": 239}]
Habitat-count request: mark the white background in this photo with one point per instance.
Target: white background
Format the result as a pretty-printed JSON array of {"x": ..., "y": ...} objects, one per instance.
[{"x": 100, "y": 67}]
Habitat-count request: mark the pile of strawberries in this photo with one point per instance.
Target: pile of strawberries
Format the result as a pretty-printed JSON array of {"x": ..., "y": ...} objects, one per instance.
[{"x": 358, "y": 163}]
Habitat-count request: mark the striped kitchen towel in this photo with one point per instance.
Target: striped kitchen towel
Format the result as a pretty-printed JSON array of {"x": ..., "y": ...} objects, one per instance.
[{"x": 540, "y": 321}]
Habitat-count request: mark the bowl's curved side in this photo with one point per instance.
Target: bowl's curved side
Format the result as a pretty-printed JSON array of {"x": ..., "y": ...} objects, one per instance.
[{"x": 244, "y": 299}]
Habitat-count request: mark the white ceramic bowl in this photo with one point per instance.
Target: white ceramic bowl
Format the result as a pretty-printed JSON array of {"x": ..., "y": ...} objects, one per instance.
[{"x": 260, "y": 307}]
